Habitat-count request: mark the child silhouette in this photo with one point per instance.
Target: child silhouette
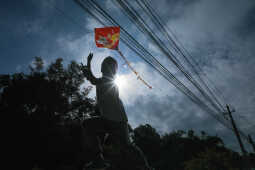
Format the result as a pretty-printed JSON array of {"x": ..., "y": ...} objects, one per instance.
[{"x": 112, "y": 116}]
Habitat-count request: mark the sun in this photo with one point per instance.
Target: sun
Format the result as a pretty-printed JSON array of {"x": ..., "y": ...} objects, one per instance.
[{"x": 120, "y": 81}]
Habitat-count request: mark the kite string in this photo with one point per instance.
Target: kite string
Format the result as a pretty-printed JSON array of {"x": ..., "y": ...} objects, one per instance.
[{"x": 136, "y": 73}]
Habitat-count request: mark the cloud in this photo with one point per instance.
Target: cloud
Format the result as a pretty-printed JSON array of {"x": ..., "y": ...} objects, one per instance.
[
  {"x": 206, "y": 20},
  {"x": 18, "y": 68},
  {"x": 134, "y": 89},
  {"x": 210, "y": 30},
  {"x": 36, "y": 23},
  {"x": 91, "y": 24},
  {"x": 172, "y": 111}
]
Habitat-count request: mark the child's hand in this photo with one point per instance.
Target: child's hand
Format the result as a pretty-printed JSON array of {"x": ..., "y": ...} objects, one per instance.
[
  {"x": 90, "y": 57},
  {"x": 84, "y": 69}
]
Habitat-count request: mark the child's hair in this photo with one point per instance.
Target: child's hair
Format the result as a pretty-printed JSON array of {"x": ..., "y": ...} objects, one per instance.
[{"x": 109, "y": 66}]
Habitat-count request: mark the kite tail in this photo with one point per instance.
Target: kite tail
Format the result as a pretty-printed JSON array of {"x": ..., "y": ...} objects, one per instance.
[{"x": 136, "y": 73}]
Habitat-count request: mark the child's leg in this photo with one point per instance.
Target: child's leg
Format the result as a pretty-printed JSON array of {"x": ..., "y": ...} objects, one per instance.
[
  {"x": 118, "y": 129},
  {"x": 124, "y": 133},
  {"x": 92, "y": 128}
]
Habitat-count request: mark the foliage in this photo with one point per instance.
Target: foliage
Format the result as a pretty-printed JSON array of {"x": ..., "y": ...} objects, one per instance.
[
  {"x": 212, "y": 159},
  {"x": 35, "y": 105},
  {"x": 53, "y": 92}
]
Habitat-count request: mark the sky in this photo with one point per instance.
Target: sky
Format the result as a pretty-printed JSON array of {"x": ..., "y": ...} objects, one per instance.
[{"x": 218, "y": 34}]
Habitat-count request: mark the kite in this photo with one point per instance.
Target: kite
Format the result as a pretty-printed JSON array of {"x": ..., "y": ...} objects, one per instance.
[{"x": 108, "y": 37}]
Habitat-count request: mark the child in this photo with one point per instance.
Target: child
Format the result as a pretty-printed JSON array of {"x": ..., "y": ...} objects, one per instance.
[{"x": 113, "y": 118}]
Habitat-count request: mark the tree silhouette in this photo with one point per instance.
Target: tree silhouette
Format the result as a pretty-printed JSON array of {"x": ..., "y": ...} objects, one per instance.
[
  {"x": 35, "y": 103},
  {"x": 212, "y": 159}
]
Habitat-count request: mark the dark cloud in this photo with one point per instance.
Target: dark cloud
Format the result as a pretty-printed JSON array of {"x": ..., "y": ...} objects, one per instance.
[
  {"x": 247, "y": 26},
  {"x": 173, "y": 9}
]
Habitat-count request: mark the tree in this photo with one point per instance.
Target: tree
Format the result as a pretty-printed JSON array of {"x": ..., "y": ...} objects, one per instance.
[
  {"x": 35, "y": 103},
  {"x": 212, "y": 159},
  {"x": 147, "y": 138}
]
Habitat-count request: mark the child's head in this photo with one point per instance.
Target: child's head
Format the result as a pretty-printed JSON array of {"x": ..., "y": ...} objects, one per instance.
[{"x": 109, "y": 67}]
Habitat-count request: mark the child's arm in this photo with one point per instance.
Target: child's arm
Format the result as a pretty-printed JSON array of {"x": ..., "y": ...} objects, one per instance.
[{"x": 87, "y": 71}]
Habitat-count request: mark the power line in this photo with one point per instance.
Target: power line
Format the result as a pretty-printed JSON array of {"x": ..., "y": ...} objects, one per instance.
[
  {"x": 67, "y": 17},
  {"x": 163, "y": 71},
  {"x": 153, "y": 12},
  {"x": 158, "y": 21},
  {"x": 194, "y": 84},
  {"x": 141, "y": 24}
]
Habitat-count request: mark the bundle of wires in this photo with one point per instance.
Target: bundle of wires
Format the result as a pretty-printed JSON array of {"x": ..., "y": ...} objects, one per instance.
[{"x": 210, "y": 102}]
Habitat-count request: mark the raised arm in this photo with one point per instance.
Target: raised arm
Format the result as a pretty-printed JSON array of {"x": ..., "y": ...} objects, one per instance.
[{"x": 87, "y": 71}]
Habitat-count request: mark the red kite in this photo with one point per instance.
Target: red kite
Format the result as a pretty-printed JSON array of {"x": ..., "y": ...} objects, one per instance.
[{"x": 107, "y": 37}]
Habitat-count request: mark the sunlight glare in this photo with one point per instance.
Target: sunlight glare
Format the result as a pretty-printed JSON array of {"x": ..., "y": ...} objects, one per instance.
[{"x": 120, "y": 81}]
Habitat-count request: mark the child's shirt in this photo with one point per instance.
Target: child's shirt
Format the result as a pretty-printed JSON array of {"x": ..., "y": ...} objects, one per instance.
[{"x": 109, "y": 103}]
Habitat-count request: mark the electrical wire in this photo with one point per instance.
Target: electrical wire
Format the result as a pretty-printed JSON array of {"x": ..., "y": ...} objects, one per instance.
[
  {"x": 95, "y": 11},
  {"x": 137, "y": 19},
  {"x": 175, "y": 81},
  {"x": 158, "y": 22}
]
